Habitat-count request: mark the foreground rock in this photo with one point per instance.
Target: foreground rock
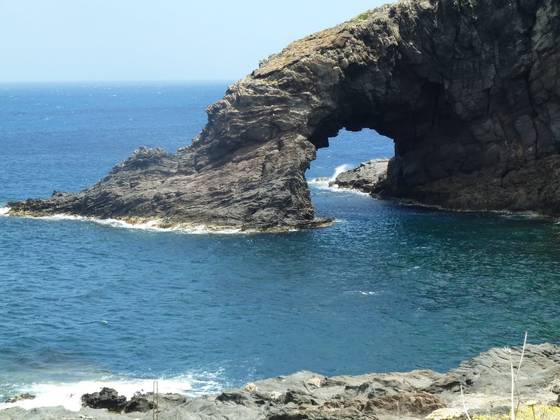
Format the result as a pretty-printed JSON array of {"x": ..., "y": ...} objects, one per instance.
[
  {"x": 369, "y": 177},
  {"x": 139, "y": 403},
  {"x": 413, "y": 395},
  {"x": 468, "y": 90},
  {"x": 106, "y": 398},
  {"x": 110, "y": 399}
]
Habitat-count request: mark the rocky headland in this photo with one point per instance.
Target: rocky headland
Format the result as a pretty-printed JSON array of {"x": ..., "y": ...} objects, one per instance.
[
  {"x": 485, "y": 380},
  {"x": 468, "y": 89}
]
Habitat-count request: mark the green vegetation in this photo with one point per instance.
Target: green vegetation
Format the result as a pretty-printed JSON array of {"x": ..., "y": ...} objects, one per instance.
[
  {"x": 531, "y": 412},
  {"x": 362, "y": 16}
]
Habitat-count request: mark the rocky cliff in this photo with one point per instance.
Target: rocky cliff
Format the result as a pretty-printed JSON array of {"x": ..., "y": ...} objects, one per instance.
[{"x": 468, "y": 89}]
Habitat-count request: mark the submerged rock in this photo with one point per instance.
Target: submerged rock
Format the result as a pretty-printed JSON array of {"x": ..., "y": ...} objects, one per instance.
[
  {"x": 468, "y": 90},
  {"x": 21, "y": 397}
]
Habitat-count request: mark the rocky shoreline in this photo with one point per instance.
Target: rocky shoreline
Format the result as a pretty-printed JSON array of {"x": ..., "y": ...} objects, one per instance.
[
  {"x": 164, "y": 225},
  {"x": 419, "y": 394},
  {"x": 370, "y": 178}
]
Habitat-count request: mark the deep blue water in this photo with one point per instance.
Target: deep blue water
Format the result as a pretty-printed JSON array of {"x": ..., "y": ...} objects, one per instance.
[{"x": 386, "y": 288}]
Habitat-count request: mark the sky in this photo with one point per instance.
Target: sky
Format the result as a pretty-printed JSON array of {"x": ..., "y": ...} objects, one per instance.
[{"x": 119, "y": 40}]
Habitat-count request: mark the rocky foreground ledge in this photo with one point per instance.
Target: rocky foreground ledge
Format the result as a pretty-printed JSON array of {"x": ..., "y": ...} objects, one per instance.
[
  {"x": 469, "y": 91},
  {"x": 486, "y": 381}
]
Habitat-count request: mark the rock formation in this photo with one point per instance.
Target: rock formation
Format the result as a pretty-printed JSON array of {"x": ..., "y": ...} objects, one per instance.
[
  {"x": 468, "y": 89},
  {"x": 109, "y": 398},
  {"x": 486, "y": 381},
  {"x": 369, "y": 177},
  {"x": 106, "y": 398}
]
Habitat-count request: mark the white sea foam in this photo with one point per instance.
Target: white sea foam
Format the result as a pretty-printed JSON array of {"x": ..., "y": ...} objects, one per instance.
[
  {"x": 156, "y": 225},
  {"x": 68, "y": 394},
  {"x": 362, "y": 292},
  {"x": 323, "y": 183},
  {"x": 151, "y": 225},
  {"x": 4, "y": 211}
]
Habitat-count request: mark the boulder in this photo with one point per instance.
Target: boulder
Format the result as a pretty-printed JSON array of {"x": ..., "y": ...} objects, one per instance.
[
  {"x": 367, "y": 178},
  {"x": 106, "y": 398}
]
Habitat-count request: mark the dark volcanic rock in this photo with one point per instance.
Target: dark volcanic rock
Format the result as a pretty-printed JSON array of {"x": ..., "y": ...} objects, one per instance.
[
  {"x": 139, "y": 403},
  {"x": 469, "y": 91},
  {"x": 106, "y": 398},
  {"x": 368, "y": 177}
]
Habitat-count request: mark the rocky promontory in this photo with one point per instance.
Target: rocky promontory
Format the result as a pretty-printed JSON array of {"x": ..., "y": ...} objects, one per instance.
[
  {"x": 468, "y": 89},
  {"x": 485, "y": 381}
]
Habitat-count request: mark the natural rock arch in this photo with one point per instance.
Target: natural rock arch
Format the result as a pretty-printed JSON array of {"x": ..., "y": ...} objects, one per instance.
[{"x": 468, "y": 89}]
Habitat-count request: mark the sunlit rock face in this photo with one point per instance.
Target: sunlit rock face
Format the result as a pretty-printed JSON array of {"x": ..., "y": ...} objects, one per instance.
[{"x": 468, "y": 89}]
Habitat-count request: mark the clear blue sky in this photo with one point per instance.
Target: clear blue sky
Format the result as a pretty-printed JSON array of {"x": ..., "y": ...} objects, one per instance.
[{"x": 78, "y": 40}]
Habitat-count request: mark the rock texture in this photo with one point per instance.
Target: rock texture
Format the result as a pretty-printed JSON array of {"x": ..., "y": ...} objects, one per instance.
[
  {"x": 106, "y": 398},
  {"x": 110, "y": 399},
  {"x": 369, "y": 177},
  {"x": 468, "y": 89},
  {"x": 413, "y": 395}
]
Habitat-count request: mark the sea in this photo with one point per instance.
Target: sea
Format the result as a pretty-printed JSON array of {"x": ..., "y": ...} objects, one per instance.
[{"x": 388, "y": 287}]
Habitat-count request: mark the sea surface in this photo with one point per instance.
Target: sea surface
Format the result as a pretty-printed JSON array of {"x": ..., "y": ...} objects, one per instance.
[{"x": 386, "y": 288}]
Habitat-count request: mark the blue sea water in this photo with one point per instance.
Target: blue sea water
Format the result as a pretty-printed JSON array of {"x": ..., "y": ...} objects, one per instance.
[{"x": 385, "y": 288}]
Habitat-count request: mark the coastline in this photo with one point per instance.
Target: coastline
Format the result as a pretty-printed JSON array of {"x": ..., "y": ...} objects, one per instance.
[
  {"x": 485, "y": 379},
  {"x": 505, "y": 213},
  {"x": 368, "y": 178},
  {"x": 160, "y": 225}
]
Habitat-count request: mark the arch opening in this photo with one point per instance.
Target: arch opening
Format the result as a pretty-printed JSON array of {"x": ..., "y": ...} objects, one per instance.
[{"x": 345, "y": 153}]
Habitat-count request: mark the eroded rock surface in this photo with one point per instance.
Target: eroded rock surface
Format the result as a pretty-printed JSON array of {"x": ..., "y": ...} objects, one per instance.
[
  {"x": 468, "y": 89},
  {"x": 486, "y": 380}
]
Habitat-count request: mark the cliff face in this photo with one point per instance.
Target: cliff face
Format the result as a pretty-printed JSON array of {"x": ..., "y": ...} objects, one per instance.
[{"x": 468, "y": 89}]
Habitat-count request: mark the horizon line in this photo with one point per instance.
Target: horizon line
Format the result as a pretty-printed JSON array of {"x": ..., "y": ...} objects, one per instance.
[{"x": 169, "y": 81}]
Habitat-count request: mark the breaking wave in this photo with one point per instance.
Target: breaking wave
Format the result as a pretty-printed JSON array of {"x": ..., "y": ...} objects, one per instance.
[
  {"x": 362, "y": 292},
  {"x": 150, "y": 225},
  {"x": 323, "y": 183},
  {"x": 68, "y": 394}
]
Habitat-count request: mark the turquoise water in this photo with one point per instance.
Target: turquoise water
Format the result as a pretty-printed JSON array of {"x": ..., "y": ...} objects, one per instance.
[{"x": 385, "y": 288}]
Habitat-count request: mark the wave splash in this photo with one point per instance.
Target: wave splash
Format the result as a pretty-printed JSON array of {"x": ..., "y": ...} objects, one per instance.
[
  {"x": 149, "y": 225},
  {"x": 69, "y": 394},
  {"x": 323, "y": 183},
  {"x": 362, "y": 292}
]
